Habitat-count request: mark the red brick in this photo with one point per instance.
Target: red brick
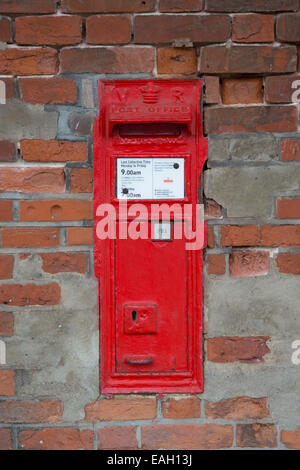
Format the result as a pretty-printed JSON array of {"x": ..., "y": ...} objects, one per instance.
[
  {"x": 245, "y": 235},
  {"x": 212, "y": 90},
  {"x": 29, "y": 237},
  {"x": 64, "y": 262},
  {"x": 216, "y": 264},
  {"x": 182, "y": 408},
  {"x": 242, "y": 90},
  {"x": 48, "y": 30},
  {"x": 6, "y": 324},
  {"x": 237, "y": 409},
  {"x": 53, "y": 151},
  {"x": 108, "y": 29},
  {"x": 288, "y": 208},
  {"x": 256, "y": 435},
  {"x": 176, "y": 60},
  {"x": 117, "y": 437},
  {"x": 107, "y": 6},
  {"x": 107, "y": 60},
  {"x": 80, "y": 236},
  {"x": 249, "y": 263},
  {"x": 7, "y": 383},
  {"x": 187, "y": 436},
  {"x": 288, "y": 263},
  {"x": 5, "y": 439},
  {"x": 280, "y": 235},
  {"x": 251, "y": 119},
  {"x": 56, "y": 210},
  {"x": 253, "y": 28},
  {"x": 29, "y": 294},
  {"x": 8, "y": 151},
  {"x": 48, "y": 90},
  {"x": 6, "y": 211},
  {"x": 155, "y": 29},
  {"x": 210, "y": 237},
  {"x": 32, "y": 6},
  {"x": 10, "y": 92},
  {"x": 237, "y": 349},
  {"x": 212, "y": 210},
  {"x": 248, "y": 59},
  {"x": 6, "y": 266},
  {"x": 81, "y": 180},
  {"x": 46, "y": 411},
  {"x": 178, "y": 6},
  {"x": 28, "y": 61},
  {"x": 290, "y": 439},
  {"x": 290, "y": 150},
  {"x": 279, "y": 89},
  {"x": 251, "y": 5},
  {"x": 32, "y": 180},
  {"x": 56, "y": 439},
  {"x": 5, "y": 30},
  {"x": 288, "y": 27},
  {"x": 119, "y": 409}
]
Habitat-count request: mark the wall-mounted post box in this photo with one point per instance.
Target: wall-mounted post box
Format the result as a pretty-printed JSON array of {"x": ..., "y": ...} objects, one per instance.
[{"x": 149, "y": 154}]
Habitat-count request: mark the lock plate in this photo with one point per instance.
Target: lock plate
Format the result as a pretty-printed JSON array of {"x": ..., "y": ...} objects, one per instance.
[{"x": 140, "y": 319}]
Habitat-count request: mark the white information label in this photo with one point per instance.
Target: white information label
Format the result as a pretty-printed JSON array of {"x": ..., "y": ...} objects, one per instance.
[
  {"x": 161, "y": 230},
  {"x": 150, "y": 178}
]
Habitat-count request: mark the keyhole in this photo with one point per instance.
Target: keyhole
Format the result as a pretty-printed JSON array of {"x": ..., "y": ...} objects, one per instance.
[{"x": 134, "y": 315}]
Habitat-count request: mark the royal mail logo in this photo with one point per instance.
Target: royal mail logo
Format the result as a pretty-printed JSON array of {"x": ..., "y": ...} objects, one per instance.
[{"x": 150, "y": 93}]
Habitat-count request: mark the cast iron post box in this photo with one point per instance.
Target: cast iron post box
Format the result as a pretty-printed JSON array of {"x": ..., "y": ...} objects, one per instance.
[{"x": 149, "y": 154}]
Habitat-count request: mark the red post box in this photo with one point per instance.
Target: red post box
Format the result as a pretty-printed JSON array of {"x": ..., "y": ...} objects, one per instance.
[{"x": 149, "y": 154}]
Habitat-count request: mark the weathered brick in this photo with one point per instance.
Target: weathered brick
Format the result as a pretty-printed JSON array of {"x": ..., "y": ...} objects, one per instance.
[
  {"x": 7, "y": 383},
  {"x": 249, "y": 263},
  {"x": 29, "y": 237},
  {"x": 5, "y": 439},
  {"x": 288, "y": 263},
  {"x": 280, "y": 235},
  {"x": 245, "y": 235},
  {"x": 56, "y": 439},
  {"x": 5, "y": 30},
  {"x": 10, "y": 90},
  {"x": 6, "y": 324},
  {"x": 63, "y": 262},
  {"x": 82, "y": 124},
  {"x": 237, "y": 409},
  {"x": 248, "y": 59},
  {"x": 120, "y": 409},
  {"x": 242, "y": 90},
  {"x": 8, "y": 151},
  {"x": 6, "y": 266},
  {"x": 256, "y": 435},
  {"x": 108, "y": 29},
  {"x": 251, "y": 5},
  {"x": 107, "y": 6},
  {"x": 48, "y": 90},
  {"x": 32, "y": 6},
  {"x": 53, "y": 151},
  {"x": 290, "y": 439},
  {"x": 279, "y": 89},
  {"x": 176, "y": 60},
  {"x": 45, "y": 411},
  {"x": 212, "y": 90},
  {"x": 48, "y": 30},
  {"x": 80, "y": 236},
  {"x": 168, "y": 28},
  {"x": 107, "y": 60},
  {"x": 288, "y": 27},
  {"x": 251, "y": 147},
  {"x": 28, "y": 61},
  {"x": 29, "y": 294},
  {"x": 117, "y": 437},
  {"x": 253, "y": 28},
  {"x": 187, "y": 436},
  {"x": 178, "y": 6},
  {"x": 210, "y": 237},
  {"x": 212, "y": 210},
  {"x": 6, "y": 211},
  {"x": 216, "y": 264},
  {"x": 81, "y": 180},
  {"x": 182, "y": 408},
  {"x": 251, "y": 119},
  {"x": 237, "y": 349},
  {"x": 290, "y": 150},
  {"x": 56, "y": 210},
  {"x": 32, "y": 180},
  {"x": 288, "y": 208}
]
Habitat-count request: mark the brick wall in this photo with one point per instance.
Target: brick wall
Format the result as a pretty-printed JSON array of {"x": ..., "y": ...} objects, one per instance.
[{"x": 53, "y": 54}]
